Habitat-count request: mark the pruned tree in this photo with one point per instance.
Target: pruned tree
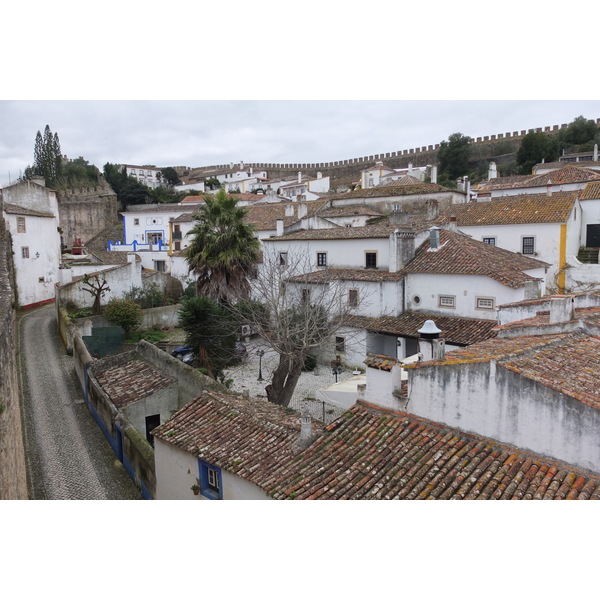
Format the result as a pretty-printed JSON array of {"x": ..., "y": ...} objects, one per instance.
[
  {"x": 295, "y": 312},
  {"x": 97, "y": 286}
]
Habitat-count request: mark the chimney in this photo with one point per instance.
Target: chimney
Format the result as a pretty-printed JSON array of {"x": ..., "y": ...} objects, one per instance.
[
  {"x": 279, "y": 227},
  {"x": 433, "y": 210},
  {"x": 467, "y": 188},
  {"x": 402, "y": 248},
  {"x": 39, "y": 180},
  {"x": 409, "y": 168},
  {"x": 398, "y": 216},
  {"x": 306, "y": 434},
  {"x": 431, "y": 346},
  {"x": 302, "y": 210},
  {"x": 549, "y": 188},
  {"x": 452, "y": 225},
  {"x": 492, "y": 171},
  {"x": 434, "y": 238},
  {"x": 460, "y": 185},
  {"x": 319, "y": 175},
  {"x": 595, "y": 157},
  {"x": 433, "y": 174},
  {"x": 241, "y": 165},
  {"x": 299, "y": 177},
  {"x": 561, "y": 309},
  {"x": 289, "y": 210}
]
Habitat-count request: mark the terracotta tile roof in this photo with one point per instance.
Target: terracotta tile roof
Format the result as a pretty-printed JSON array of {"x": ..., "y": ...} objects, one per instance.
[
  {"x": 369, "y": 454},
  {"x": 376, "y": 167},
  {"x": 590, "y": 192},
  {"x": 380, "y": 361},
  {"x": 590, "y": 315},
  {"x": 405, "y": 180},
  {"x": 455, "y": 330},
  {"x": 381, "y": 230},
  {"x": 392, "y": 190},
  {"x": 459, "y": 254},
  {"x": 566, "y": 174},
  {"x": 513, "y": 210},
  {"x": 545, "y": 300},
  {"x": 332, "y": 274},
  {"x": 247, "y": 437},
  {"x": 128, "y": 382},
  {"x": 264, "y": 216},
  {"x": 13, "y": 209},
  {"x": 193, "y": 200}
]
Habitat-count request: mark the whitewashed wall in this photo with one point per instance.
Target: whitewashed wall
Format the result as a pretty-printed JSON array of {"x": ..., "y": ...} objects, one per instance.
[
  {"x": 493, "y": 402},
  {"x": 176, "y": 472}
]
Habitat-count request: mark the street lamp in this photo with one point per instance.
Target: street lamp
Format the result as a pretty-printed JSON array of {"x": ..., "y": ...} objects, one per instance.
[
  {"x": 337, "y": 371},
  {"x": 260, "y": 353}
]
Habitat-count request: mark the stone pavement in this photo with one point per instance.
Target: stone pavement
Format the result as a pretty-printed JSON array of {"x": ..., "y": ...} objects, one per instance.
[
  {"x": 245, "y": 377},
  {"x": 68, "y": 457}
]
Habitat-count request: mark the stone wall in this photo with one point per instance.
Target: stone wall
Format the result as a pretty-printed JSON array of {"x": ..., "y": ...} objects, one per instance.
[
  {"x": 13, "y": 481},
  {"x": 86, "y": 212},
  {"x": 345, "y": 170}
]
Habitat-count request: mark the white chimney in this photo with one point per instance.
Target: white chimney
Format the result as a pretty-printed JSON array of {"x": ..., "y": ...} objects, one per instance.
[
  {"x": 434, "y": 238},
  {"x": 299, "y": 177},
  {"x": 492, "y": 171},
  {"x": 241, "y": 165},
  {"x": 561, "y": 309},
  {"x": 459, "y": 185},
  {"x": 452, "y": 226},
  {"x": 431, "y": 346},
  {"x": 595, "y": 157},
  {"x": 302, "y": 210},
  {"x": 434, "y": 174},
  {"x": 410, "y": 168},
  {"x": 320, "y": 175},
  {"x": 549, "y": 188},
  {"x": 289, "y": 210},
  {"x": 306, "y": 434},
  {"x": 279, "y": 227}
]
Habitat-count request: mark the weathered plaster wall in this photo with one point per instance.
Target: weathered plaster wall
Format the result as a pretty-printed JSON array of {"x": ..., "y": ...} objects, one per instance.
[
  {"x": 489, "y": 400},
  {"x": 13, "y": 482}
]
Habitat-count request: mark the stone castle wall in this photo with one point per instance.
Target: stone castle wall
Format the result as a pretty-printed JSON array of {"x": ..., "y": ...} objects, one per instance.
[
  {"x": 13, "y": 481},
  {"x": 342, "y": 169},
  {"x": 85, "y": 212}
]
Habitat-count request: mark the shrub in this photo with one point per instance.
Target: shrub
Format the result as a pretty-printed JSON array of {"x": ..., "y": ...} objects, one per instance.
[{"x": 125, "y": 313}]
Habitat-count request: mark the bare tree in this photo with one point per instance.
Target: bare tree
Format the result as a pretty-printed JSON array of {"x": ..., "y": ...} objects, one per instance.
[
  {"x": 96, "y": 286},
  {"x": 295, "y": 311}
]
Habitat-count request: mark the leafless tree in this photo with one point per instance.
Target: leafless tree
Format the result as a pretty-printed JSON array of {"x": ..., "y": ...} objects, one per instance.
[
  {"x": 295, "y": 311},
  {"x": 96, "y": 286}
]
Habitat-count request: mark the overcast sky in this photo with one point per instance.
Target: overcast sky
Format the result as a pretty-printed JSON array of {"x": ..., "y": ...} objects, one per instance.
[{"x": 197, "y": 133}]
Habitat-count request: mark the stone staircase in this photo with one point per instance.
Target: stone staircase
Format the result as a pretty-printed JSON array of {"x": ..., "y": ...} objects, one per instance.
[{"x": 588, "y": 255}]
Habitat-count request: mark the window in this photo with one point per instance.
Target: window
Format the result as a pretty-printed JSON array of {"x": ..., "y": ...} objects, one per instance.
[
  {"x": 154, "y": 237},
  {"x": 340, "y": 344},
  {"x": 489, "y": 240},
  {"x": 136, "y": 221},
  {"x": 21, "y": 225},
  {"x": 528, "y": 245},
  {"x": 485, "y": 303},
  {"x": 24, "y": 251},
  {"x": 160, "y": 265},
  {"x": 305, "y": 296},
  {"x": 321, "y": 259},
  {"x": 447, "y": 301},
  {"x": 371, "y": 260},
  {"x": 353, "y": 298},
  {"x": 210, "y": 481},
  {"x": 41, "y": 280},
  {"x": 177, "y": 246},
  {"x": 283, "y": 258}
]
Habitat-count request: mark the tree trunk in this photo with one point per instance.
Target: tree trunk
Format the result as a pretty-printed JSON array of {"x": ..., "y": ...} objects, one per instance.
[{"x": 285, "y": 378}]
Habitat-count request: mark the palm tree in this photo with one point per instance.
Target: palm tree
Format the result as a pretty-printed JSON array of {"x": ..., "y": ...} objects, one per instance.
[{"x": 223, "y": 251}]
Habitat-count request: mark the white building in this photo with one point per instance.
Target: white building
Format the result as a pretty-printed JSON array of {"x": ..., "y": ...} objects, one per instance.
[
  {"x": 147, "y": 174},
  {"x": 31, "y": 214}
]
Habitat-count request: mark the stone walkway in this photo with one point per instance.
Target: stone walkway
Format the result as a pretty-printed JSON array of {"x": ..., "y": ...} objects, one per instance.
[{"x": 68, "y": 458}]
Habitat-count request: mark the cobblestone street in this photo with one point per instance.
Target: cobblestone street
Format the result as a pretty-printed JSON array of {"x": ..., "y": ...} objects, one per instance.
[{"x": 68, "y": 458}]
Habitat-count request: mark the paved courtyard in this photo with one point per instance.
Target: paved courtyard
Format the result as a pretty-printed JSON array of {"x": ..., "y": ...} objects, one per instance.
[{"x": 245, "y": 378}]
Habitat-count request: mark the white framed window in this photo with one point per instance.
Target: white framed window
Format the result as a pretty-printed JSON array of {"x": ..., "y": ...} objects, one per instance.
[
  {"x": 353, "y": 298},
  {"x": 528, "y": 245},
  {"x": 447, "y": 301},
  {"x": 24, "y": 251},
  {"x": 484, "y": 303},
  {"x": 490, "y": 240},
  {"x": 321, "y": 259},
  {"x": 21, "y": 225}
]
